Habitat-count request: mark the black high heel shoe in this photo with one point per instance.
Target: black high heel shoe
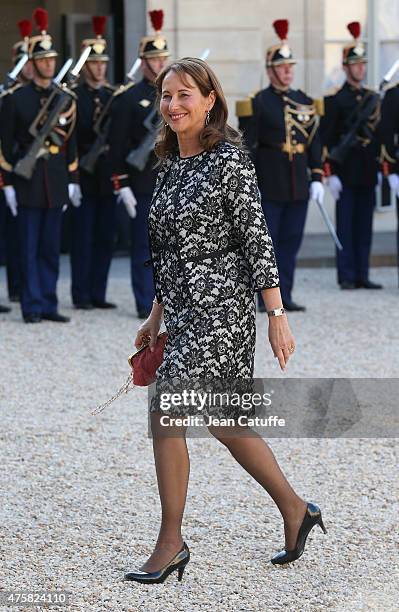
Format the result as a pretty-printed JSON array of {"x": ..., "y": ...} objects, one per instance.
[
  {"x": 178, "y": 563},
  {"x": 312, "y": 518}
]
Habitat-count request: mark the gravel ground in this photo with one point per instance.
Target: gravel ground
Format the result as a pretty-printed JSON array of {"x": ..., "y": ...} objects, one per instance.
[{"x": 80, "y": 503}]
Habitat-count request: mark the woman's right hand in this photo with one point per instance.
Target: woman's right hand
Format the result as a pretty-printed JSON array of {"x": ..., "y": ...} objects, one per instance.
[{"x": 150, "y": 328}]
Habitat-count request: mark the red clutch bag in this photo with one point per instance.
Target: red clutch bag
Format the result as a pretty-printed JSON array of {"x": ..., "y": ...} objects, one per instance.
[{"x": 144, "y": 364}]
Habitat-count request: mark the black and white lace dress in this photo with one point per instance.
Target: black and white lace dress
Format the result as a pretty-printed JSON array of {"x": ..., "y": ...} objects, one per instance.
[{"x": 211, "y": 250}]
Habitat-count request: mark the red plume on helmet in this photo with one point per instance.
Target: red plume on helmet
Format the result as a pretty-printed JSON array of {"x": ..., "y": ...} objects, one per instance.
[
  {"x": 25, "y": 28},
  {"x": 40, "y": 17},
  {"x": 156, "y": 19},
  {"x": 354, "y": 28},
  {"x": 281, "y": 28},
  {"x": 99, "y": 22}
]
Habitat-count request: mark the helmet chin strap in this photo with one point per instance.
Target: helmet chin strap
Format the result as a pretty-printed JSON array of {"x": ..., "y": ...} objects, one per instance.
[
  {"x": 154, "y": 74},
  {"x": 356, "y": 79},
  {"x": 38, "y": 71},
  {"x": 93, "y": 78},
  {"x": 282, "y": 86}
]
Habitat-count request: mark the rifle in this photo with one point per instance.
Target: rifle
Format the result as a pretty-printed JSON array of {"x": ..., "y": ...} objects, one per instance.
[
  {"x": 12, "y": 76},
  {"x": 358, "y": 120},
  {"x": 138, "y": 158},
  {"x": 102, "y": 125},
  {"x": 26, "y": 165}
]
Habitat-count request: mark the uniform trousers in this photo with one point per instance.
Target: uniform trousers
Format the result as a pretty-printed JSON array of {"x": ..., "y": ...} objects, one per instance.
[
  {"x": 92, "y": 243},
  {"x": 354, "y": 219},
  {"x": 286, "y": 222},
  {"x": 39, "y": 238},
  {"x": 141, "y": 275}
]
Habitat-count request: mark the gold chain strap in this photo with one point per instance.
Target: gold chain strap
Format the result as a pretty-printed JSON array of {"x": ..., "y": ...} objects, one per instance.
[{"x": 126, "y": 387}]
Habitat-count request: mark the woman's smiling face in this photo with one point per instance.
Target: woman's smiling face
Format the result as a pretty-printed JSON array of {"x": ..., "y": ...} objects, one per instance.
[{"x": 182, "y": 104}]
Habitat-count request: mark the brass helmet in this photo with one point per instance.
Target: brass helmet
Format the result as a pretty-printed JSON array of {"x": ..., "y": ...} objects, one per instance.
[
  {"x": 22, "y": 46},
  {"x": 280, "y": 53},
  {"x": 98, "y": 44},
  {"x": 156, "y": 45},
  {"x": 354, "y": 52},
  {"x": 41, "y": 45}
]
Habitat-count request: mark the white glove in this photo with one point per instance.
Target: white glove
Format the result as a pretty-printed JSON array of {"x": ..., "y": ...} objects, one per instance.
[
  {"x": 335, "y": 186},
  {"x": 75, "y": 194},
  {"x": 379, "y": 179},
  {"x": 128, "y": 198},
  {"x": 393, "y": 180},
  {"x": 11, "y": 199},
  {"x": 316, "y": 192}
]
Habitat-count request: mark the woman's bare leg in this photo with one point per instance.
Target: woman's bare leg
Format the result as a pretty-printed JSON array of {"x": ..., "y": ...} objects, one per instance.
[
  {"x": 255, "y": 456},
  {"x": 173, "y": 468}
]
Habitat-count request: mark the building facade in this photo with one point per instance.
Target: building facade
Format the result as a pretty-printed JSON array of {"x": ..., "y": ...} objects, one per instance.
[{"x": 237, "y": 34}]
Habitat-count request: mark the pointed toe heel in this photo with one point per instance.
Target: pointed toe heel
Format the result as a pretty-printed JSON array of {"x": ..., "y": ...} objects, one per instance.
[
  {"x": 312, "y": 518},
  {"x": 178, "y": 563}
]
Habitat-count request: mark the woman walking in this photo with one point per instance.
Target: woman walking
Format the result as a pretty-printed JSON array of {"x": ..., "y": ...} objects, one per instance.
[{"x": 211, "y": 250}]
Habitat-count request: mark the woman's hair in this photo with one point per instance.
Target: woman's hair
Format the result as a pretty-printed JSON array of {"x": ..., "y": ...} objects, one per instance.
[{"x": 217, "y": 129}]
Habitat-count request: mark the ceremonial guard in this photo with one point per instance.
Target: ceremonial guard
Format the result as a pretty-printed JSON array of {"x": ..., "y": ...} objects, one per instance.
[
  {"x": 351, "y": 152},
  {"x": 133, "y": 133},
  {"x": 37, "y": 185},
  {"x": 389, "y": 134},
  {"x": 93, "y": 212},
  {"x": 13, "y": 263},
  {"x": 280, "y": 126}
]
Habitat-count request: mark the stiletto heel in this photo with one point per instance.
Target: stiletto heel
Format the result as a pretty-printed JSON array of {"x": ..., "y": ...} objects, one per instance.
[
  {"x": 180, "y": 572},
  {"x": 312, "y": 518},
  {"x": 322, "y": 525},
  {"x": 178, "y": 563}
]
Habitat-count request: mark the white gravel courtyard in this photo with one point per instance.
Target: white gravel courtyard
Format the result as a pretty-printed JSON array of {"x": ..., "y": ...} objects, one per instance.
[{"x": 80, "y": 503}]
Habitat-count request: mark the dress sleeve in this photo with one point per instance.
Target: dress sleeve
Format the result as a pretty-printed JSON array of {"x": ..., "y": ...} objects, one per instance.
[{"x": 242, "y": 201}]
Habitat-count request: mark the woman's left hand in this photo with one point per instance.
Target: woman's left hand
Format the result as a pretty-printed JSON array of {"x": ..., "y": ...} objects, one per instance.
[{"x": 281, "y": 339}]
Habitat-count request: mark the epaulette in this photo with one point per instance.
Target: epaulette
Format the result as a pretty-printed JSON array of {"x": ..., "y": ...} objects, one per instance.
[
  {"x": 391, "y": 86},
  {"x": 111, "y": 88},
  {"x": 11, "y": 90},
  {"x": 122, "y": 88},
  {"x": 244, "y": 108},
  {"x": 319, "y": 106}
]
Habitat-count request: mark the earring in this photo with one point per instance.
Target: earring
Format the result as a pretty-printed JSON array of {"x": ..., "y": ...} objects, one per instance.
[
  {"x": 207, "y": 118},
  {"x": 166, "y": 124}
]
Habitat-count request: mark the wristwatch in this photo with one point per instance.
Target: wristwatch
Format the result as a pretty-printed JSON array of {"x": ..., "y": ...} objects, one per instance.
[{"x": 276, "y": 312}]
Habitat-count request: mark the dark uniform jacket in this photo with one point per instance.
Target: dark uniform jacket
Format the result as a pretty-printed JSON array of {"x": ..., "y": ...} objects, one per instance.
[
  {"x": 360, "y": 166},
  {"x": 281, "y": 132},
  {"x": 389, "y": 130},
  {"x": 127, "y": 132},
  {"x": 48, "y": 186},
  {"x": 90, "y": 103}
]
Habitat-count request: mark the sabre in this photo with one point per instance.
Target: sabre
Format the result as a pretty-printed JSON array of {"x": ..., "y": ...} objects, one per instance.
[
  {"x": 388, "y": 76},
  {"x": 330, "y": 226},
  {"x": 136, "y": 65},
  {"x": 58, "y": 79},
  {"x": 18, "y": 67},
  {"x": 79, "y": 64},
  {"x": 205, "y": 54}
]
